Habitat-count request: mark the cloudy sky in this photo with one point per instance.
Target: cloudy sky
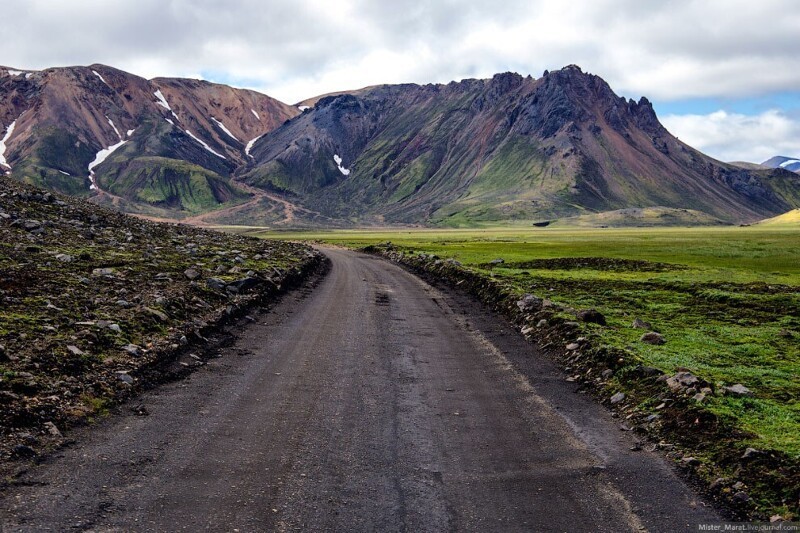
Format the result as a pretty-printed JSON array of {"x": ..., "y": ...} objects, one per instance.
[{"x": 724, "y": 75}]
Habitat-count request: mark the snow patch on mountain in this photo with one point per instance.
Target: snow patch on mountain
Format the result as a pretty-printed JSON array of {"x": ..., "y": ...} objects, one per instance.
[
  {"x": 162, "y": 101},
  {"x": 338, "y": 160},
  {"x": 303, "y": 107},
  {"x": 65, "y": 173},
  {"x": 113, "y": 126},
  {"x": 7, "y": 136},
  {"x": 223, "y": 128},
  {"x": 256, "y": 114},
  {"x": 789, "y": 162},
  {"x": 130, "y": 132},
  {"x": 101, "y": 156},
  {"x": 101, "y": 77},
  {"x": 207, "y": 147},
  {"x": 250, "y": 145},
  {"x": 15, "y": 72}
]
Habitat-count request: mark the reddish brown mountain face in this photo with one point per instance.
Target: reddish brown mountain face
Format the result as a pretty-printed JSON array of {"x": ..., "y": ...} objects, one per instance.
[{"x": 64, "y": 118}]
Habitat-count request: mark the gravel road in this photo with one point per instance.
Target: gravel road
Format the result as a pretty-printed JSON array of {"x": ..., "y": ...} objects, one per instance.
[{"x": 374, "y": 402}]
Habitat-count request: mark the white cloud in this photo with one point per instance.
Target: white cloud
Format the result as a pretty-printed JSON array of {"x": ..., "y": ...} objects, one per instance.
[
  {"x": 297, "y": 48},
  {"x": 737, "y": 137}
]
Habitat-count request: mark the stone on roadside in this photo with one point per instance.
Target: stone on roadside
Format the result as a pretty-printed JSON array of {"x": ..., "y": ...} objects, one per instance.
[
  {"x": 573, "y": 346},
  {"x": 591, "y": 316},
  {"x": 529, "y": 302},
  {"x": 750, "y": 453},
  {"x": 618, "y": 397},
  {"x": 653, "y": 338},
  {"x": 64, "y": 258},
  {"x": 738, "y": 390},
  {"x": 191, "y": 274},
  {"x": 52, "y": 429},
  {"x": 125, "y": 378},
  {"x": 97, "y": 272},
  {"x": 682, "y": 380},
  {"x": 215, "y": 284},
  {"x": 160, "y": 315},
  {"x": 638, "y": 323},
  {"x": 74, "y": 350},
  {"x": 132, "y": 349}
]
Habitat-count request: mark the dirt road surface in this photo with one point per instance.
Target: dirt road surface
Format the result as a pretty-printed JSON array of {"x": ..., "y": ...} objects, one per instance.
[{"x": 372, "y": 403}]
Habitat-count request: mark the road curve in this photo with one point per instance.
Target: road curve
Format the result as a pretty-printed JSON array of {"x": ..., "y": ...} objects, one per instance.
[{"x": 374, "y": 403}]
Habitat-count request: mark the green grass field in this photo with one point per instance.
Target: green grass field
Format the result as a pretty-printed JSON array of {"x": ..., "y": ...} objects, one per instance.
[{"x": 727, "y": 299}]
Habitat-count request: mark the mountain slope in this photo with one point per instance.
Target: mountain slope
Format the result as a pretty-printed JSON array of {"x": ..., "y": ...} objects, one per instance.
[
  {"x": 138, "y": 135},
  {"x": 505, "y": 148}
]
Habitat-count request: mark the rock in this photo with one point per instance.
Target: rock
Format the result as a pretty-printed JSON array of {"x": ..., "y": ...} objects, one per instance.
[
  {"x": 699, "y": 397},
  {"x": 3, "y": 355},
  {"x": 652, "y": 418},
  {"x": 215, "y": 284},
  {"x": 244, "y": 285},
  {"x": 644, "y": 371},
  {"x": 591, "y": 316},
  {"x": 31, "y": 224},
  {"x": 573, "y": 346},
  {"x": 97, "y": 272},
  {"x": 160, "y": 315},
  {"x": 125, "y": 378},
  {"x": 498, "y": 261},
  {"x": 738, "y": 390},
  {"x": 115, "y": 328},
  {"x": 618, "y": 397},
  {"x": 751, "y": 453},
  {"x": 691, "y": 461},
  {"x": 132, "y": 349},
  {"x": 52, "y": 429},
  {"x": 542, "y": 323},
  {"x": 64, "y": 258},
  {"x": 719, "y": 482},
  {"x": 191, "y": 273},
  {"x": 527, "y": 330},
  {"x": 74, "y": 350},
  {"x": 529, "y": 302},
  {"x": 652, "y": 337},
  {"x": 740, "y": 498},
  {"x": 607, "y": 373},
  {"x": 123, "y": 303},
  {"x": 638, "y": 323},
  {"x": 23, "y": 451},
  {"x": 682, "y": 380},
  {"x": 775, "y": 518}
]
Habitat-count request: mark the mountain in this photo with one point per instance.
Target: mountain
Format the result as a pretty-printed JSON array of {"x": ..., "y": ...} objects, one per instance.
[
  {"x": 464, "y": 153},
  {"x": 163, "y": 146},
  {"x": 510, "y": 147},
  {"x": 779, "y": 161}
]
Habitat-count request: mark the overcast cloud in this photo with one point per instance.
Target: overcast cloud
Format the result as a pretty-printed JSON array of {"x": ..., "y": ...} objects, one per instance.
[{"x": 293, "y": 49}]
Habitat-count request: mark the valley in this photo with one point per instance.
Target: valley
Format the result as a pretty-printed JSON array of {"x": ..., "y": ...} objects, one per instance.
[{"x": 503, "y": 299}]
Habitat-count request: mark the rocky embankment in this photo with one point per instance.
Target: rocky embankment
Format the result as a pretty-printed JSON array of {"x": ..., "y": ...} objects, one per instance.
[
  {"x": 94, "y": 303},
  {"x": 666, "y": 410}
]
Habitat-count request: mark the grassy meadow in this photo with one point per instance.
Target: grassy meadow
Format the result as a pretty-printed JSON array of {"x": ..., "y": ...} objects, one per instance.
[{"x": 726, "y": 299}]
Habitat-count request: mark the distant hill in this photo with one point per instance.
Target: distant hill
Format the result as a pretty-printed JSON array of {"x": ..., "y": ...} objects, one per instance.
[
  {"x": 788, "y": 163},
  {"x": 791, "y": 218}
]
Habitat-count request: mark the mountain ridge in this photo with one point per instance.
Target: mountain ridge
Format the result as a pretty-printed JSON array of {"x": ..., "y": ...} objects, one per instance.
[
  {"x": 510, "y": 147},
  {"x": 502, "y": 148}
]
